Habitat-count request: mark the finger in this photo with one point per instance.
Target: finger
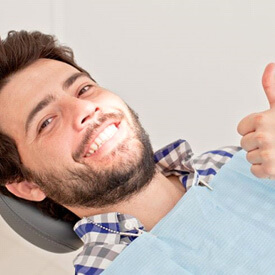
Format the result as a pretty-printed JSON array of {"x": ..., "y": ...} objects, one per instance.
[
  {"x": 268, "y": 81},
  {"x": 258, "y": 171},
  {"x": 254, "y": 157},
  {"x": 249, "y": 142},
  {"x": 246, "y": 125},
  {"x": 256, "y": 140}
]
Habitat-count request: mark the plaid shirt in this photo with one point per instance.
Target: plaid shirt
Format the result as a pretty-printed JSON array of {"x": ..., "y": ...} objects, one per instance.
[{"x": 101, "y": 246}]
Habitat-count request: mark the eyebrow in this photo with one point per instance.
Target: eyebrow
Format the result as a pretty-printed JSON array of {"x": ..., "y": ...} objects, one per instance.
[
  {"x": 69, "y": 81},
  {"x": 50, "y": 98}
]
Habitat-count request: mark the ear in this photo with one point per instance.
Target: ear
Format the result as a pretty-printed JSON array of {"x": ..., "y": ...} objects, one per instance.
[{"x": 26, "y": 190}]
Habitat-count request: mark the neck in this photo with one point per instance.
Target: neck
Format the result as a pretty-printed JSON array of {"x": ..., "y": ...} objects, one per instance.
[
  {"x": 154, "y": 202},
  {"x": 150, "y": 205}
]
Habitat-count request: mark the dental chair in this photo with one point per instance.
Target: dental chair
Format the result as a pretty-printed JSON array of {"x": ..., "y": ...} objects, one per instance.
[{"x": 41, "y": 230}]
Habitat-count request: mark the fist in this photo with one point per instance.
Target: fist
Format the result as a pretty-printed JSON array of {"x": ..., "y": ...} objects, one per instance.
[{"x": 258, "y": 132}]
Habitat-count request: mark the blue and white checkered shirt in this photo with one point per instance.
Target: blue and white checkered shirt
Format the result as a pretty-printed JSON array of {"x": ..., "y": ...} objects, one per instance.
[{"x": 101, "y": 246}]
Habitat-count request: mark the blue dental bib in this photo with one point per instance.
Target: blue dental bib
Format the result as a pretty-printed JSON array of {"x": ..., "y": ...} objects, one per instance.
[{"x": 230, "y": 230}]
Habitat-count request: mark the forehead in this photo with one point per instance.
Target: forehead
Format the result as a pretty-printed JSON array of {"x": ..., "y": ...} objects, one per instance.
[{"x": 27, "y": 87}]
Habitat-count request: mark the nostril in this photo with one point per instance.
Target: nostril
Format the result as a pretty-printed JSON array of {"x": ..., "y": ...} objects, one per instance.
[
  {"x": 84, "y": 119},
  {"x": 89, "y": 116}
]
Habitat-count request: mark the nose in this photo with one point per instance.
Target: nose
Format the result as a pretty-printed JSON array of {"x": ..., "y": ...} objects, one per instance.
[{"x": 82, "y": 112}]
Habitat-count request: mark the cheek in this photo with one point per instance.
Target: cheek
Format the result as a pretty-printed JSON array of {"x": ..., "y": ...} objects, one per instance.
[
  {"x": 58, "y": 150},
  {"x": 119, "y": 104},
  {"x": 111, "y": 100},
  {"x": 48, "y": 155}
]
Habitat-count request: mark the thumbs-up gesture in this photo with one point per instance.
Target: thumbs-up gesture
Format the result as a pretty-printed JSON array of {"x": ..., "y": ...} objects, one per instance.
[{"x": 258, "y": 131}]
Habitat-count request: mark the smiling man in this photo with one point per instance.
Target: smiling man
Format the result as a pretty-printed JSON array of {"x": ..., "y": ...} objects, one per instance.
[
  {"x": 75, "y": 135},
  {"x": 79, "y": 153}
]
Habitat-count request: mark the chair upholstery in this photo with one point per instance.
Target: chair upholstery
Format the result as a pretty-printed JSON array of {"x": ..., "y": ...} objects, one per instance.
[{"x": 45, "y": 232}]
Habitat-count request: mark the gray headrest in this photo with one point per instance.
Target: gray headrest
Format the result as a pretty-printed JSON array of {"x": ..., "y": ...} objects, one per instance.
[{"x": 37, "y": 228}]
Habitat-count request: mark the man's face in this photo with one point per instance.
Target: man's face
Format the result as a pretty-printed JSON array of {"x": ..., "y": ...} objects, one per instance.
[{"x": 81, "y": 143}]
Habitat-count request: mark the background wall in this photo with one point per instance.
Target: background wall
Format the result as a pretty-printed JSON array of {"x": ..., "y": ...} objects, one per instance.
[{"x": 191, "y": 69}]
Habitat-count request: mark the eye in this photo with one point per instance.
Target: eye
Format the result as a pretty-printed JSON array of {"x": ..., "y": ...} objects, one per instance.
[
  {"x": 84, "y": 89},
  {"x": 45, "y": 124}
]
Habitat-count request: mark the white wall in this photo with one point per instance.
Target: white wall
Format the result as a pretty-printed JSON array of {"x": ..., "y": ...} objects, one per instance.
[{"x": 191, "y": 69}]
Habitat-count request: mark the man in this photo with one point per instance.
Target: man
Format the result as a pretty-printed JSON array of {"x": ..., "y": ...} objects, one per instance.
[{"x": 78, "y": 152}]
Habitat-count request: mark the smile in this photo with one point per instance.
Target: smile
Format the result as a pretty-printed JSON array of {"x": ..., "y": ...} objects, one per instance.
[{"x": 103, "y": 137}]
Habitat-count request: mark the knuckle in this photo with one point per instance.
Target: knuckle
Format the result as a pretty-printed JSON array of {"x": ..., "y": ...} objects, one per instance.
[
  {"x": 240, "y": 128},
  {"x": 243, "y": 143},
  {"x": 266, "y": 155},
  {"x": 269, "y": 169},
  {"x": 261, "y": 137},
  {"x": 259, "y": 119},
  {"x": 249, "y": 157},
  {"x": 242, "y": 125},
  {"x": 256, "y": 172}
]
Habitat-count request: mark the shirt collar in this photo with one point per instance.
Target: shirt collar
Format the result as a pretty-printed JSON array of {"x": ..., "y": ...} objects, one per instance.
[
  {"x": 175, "y": 158},
  {"x": 103, "y": 228}
]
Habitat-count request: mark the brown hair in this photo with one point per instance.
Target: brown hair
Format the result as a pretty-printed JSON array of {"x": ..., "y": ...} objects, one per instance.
[{"x": 17, "y": 51}]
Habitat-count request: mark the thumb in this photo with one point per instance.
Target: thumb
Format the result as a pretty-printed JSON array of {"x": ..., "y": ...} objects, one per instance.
[{"x": 268, "y": 81}]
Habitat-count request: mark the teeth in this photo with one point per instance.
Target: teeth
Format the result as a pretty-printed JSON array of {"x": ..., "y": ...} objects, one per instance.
[
  {"x": 94, "y": 147},
  {"x": 102, "y": 138},
  {"x": 88, "y": 154},
  {"x": 98, "y": 141},
  {"x": 108, "y": 132}
]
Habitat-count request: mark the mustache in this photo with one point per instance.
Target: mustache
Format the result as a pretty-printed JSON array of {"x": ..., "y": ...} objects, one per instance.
[{"x": 91, "y": 131}]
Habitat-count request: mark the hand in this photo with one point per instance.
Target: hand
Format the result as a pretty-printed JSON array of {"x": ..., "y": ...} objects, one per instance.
[{"x": 258, "y": 131}]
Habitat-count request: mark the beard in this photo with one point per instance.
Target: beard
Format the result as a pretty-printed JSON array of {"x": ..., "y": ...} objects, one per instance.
[{"x": 131, "y": 167}]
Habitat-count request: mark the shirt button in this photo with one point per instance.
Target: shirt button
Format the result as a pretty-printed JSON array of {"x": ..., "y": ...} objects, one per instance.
[{"x": 129, "y": 225}]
